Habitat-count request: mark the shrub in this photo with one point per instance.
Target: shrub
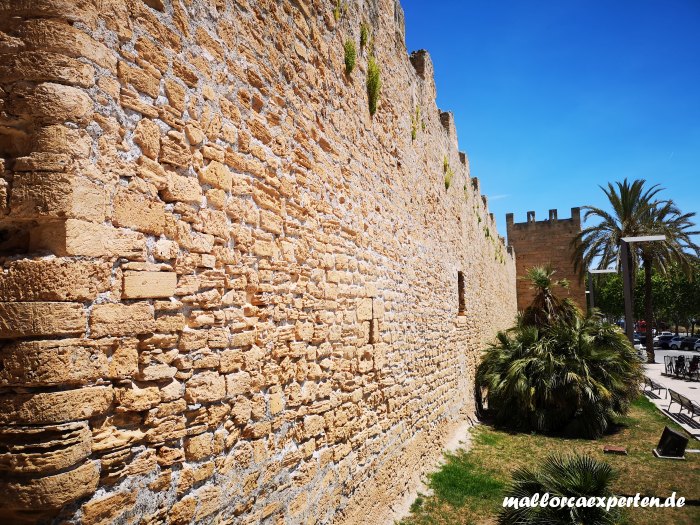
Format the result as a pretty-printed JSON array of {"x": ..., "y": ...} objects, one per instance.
[
  {"x": 374, "y": 84},
  {"x": 556, "y": 371},
  {"x": 575, "y": 476},
  {"x": 350, "y": 56}
]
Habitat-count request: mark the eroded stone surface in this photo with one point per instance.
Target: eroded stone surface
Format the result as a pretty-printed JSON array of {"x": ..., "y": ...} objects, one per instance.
[
  {"x": 43, "y": 449},
  {"x": 54, "y": 407}
]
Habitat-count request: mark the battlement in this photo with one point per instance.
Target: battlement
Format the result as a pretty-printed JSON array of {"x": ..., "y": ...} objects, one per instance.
[{"x": 553, "y": 219}]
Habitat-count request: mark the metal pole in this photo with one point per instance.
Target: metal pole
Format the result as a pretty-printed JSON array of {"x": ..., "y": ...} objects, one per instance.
[{"x": 627, "y": 289}]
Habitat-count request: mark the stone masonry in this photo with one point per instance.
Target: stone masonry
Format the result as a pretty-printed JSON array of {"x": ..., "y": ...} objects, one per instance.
[
  {"x": 227, "y": 293},
  {"x": 537, "y": 243}
]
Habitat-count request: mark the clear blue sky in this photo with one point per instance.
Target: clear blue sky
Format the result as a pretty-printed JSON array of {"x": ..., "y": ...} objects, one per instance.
[{"x": 554, "y": 97}]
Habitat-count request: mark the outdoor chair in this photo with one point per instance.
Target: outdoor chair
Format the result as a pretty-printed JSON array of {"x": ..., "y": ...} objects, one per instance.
[
  {"x": 668, "y": 365},
  {"x": 679, "y": 367},
  {"x": 694, "y": 368}
]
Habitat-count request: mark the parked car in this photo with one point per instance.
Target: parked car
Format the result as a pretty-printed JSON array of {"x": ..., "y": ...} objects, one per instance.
[
  {"x": 675, "y": 342},
  {"x": 663, "y": 340},
  {"x": 662, "y": 334},
  {"x": 697, "y": 345},
  {"x": 688, "y": 343}
]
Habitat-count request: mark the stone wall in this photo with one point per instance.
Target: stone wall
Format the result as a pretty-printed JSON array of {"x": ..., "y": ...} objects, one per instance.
[
  {"x": 538, "y": 243},
  {"x": 228, "y": 294}
]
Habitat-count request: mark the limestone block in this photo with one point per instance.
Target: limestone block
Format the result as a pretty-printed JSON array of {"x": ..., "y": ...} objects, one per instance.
[
  {"x": 41, "y": 319},
  {"x": 194, "y": 134},
  {"x": 40, "y": 66},
  {"x": 168, "y": 429},
  {"x": 50, "y": 103},
  {"x": 57, "y": 195},
  {"x": 238, "y": 384},
  {"x": 183, "y": 189},
  {"x": 199, "y": 447},
  {"x": 66, "y": 361},
  {"x": 55, "y": 407},
  {"x": 76, "y": 237},
  {"x": 136, "y": 398},
  {"x": 50, "y": 492},
  {"x": 58, "y": 36},
  {"x": 140, "y": 285},
  {"x": 243, "y": 338},
  {"x": 147, "y": 137},
  {"x": 121, "y": 319},
  {"x": 378, "y": 306},
  {"x": 183, "y": 510},
  {"x": 209, "y": 501},
  {"x": 175, "y": 151},
  {"x": 152, "y": 172},
  {"x": 176, "y": 95},
  {"x": 313, "y": 426},
  {"x": 43, "y": 449},
  {"x": 165, "y": 250},
  {"x": 140, "y": 79},
  {"x": 124, "y": 361},
  {"x": 205, "y": 387},
  {"x": 57, "y": 279},
  {"x": 132, "y": 210},
  {"x": 364, "y": 309},
  {"x": 75, "y": 143},
  {"x": 216, "y": 175},
  {"x": 169, "y": 456},
  {"x": 73, "y": 10},
  {"x": 107, "y": 509},
  {"x": 43, "y": 161}
]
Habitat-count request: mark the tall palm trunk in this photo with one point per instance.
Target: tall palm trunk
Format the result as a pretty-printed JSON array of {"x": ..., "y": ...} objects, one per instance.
[{"x": 648, "y": 311}]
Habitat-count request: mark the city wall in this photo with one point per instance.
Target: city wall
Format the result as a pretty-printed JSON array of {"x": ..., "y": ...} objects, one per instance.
[{"x": 228, "y": 294}]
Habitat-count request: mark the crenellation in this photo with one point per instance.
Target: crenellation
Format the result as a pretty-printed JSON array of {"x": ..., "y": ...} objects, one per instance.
[{"x": 228, "y": 293}]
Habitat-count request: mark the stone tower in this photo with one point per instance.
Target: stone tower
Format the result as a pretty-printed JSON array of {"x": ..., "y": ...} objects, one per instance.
[{"x": 541, "y": 242}]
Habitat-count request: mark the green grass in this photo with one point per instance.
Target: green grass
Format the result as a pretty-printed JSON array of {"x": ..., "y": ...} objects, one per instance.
[
  {"x": 469, "y": 487},
  {"x": 461, "y": 479}
]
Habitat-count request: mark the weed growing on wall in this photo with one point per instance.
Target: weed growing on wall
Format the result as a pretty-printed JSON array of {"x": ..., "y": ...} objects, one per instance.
[
  {"x": 337, "y": 11},
  {"x": 374, "y": 84},
  {"x": 447, "y": 170},
  {"x": 415, "y": 118},
  {"x": 364, "y": 35},
  {"x": 350, "y": 56}
]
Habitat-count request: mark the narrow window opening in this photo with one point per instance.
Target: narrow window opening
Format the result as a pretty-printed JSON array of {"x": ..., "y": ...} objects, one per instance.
[
  {"x": 460, "y": 291},
  {"x": 372, "y": 334}
]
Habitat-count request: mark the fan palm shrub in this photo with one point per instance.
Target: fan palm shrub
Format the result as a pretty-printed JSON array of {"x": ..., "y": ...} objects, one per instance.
[
  {"x": 562, "y": 477},
  {"x": 557, "y": 371}
]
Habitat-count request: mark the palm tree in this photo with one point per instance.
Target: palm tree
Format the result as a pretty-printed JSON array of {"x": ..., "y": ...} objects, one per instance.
[
  {"x": 546, "y": 307},
  {"x": 562, "y": 477},
  {"x": 636, "y": 211}
]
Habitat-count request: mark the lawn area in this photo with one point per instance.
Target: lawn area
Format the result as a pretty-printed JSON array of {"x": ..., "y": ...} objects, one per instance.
[{"x": 469, "y": 488}]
